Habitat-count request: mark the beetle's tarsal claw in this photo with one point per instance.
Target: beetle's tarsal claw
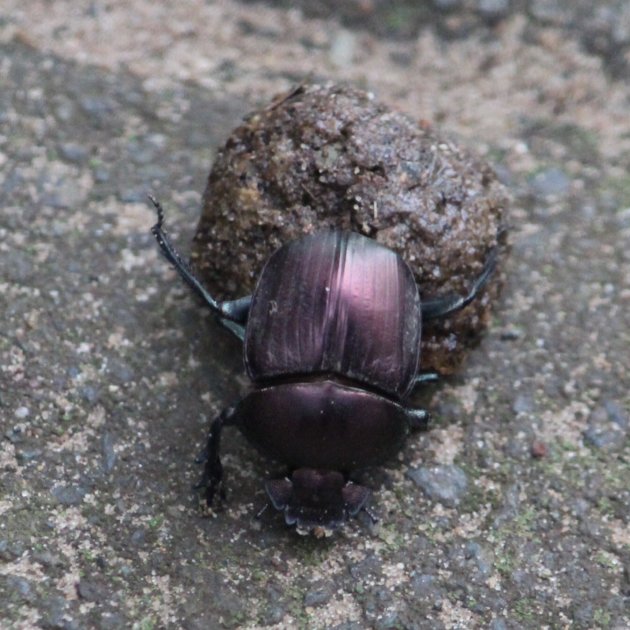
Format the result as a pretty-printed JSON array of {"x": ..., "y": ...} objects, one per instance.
[
  {"x": 211, "y": 489},
  {"x": 160, "y": 213}
]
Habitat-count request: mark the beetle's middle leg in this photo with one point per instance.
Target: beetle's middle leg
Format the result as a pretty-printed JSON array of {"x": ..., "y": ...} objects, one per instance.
[
  {"x": 449, "y": 304},
  {"x": 232, "y": 314},
  {"x": 425, "y": 377},
  {"x": 418, "y": 419},
  {"x": 212, "y": 477}
]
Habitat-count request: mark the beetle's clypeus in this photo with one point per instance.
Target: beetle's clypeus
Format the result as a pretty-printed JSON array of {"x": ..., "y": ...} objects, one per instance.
[{"x": 331, "y": 340}]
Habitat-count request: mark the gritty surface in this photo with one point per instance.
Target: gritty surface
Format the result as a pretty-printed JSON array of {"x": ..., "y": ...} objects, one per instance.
[{"x": 511, "y": 513}]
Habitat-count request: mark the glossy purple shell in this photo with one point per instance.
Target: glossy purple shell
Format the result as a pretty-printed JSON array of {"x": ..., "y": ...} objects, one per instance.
[{"x": 336, "y": 303}]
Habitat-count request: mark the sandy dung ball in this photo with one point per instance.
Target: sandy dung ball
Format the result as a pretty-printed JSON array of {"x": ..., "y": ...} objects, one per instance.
[{"x": 332, "y": 156}]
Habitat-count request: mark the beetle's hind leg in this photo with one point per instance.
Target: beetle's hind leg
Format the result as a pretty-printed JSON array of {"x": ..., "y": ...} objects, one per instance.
[
  {"x": 449, "y": 304},
  {"x": 212, "y": 477},
  {"x": 232, "y": 314}
]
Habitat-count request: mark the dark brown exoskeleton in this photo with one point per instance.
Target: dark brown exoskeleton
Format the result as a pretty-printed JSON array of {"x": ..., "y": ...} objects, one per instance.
[{"x": 332, "y": 344}]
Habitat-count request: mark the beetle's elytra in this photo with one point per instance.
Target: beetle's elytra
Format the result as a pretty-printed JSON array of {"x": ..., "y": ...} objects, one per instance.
[{"x": 331, "y": 339}]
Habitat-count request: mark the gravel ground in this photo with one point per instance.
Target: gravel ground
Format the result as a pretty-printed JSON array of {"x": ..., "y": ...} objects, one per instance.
[{"x": 511, "y": 513}]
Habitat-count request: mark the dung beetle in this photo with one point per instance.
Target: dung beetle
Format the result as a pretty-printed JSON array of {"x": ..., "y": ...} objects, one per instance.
[{"x": 331, "y": 340}]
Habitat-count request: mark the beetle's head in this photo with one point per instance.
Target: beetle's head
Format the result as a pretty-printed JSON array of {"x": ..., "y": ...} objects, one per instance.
[{"x": 316, "y": 501}]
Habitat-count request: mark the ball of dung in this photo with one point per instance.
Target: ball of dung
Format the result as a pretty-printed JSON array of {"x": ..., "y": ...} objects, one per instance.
[{"x": 332, "y": 156}]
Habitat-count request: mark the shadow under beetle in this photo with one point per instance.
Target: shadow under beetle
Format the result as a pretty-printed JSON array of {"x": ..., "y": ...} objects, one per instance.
[{"x": 331, "y": 340}]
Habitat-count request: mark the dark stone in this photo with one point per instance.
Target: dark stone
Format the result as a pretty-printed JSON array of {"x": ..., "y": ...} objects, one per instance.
[
  {"x": 91, "y": 589},
  {"x": 120, "y": 370},
  {"x": 132, "y": 195},
  {"x": 20, "y": 587},
  {"x": 509, "y": 509},
  {"x": 377, "y": 600},
  {"x": 89, "y": 393},
  {"x": 551, "y": 182},
  {"x": 138, "y": 537},
  {"x": 390, "y": 620},
  {"x": 474, "y": 551},
  {"x": 109, "y": 454},
  {"x": 524, "y": 403},
  {"x": 446, "y": 484},
  {"x": 48, "y": 559},
  {"x": 446, "y": 5},
  {"x": 73, "y": 152},
  {"x": 617, "y": 414},
  {"x": 17, "y": 267},
  {"x": 24, "y": 456},
  {"x": 348, "y": 625},
  {"x": 273, "y": 613},
  {"x": 318, "y": 595},
  {"x": 56, "y": 615},
  {"x": 14, "y": 435},
  {"x": 69, "y": 495},
  {"x": 113, "y": 621},
  {"x": 101, "y": 175},
  {"x": 607, "y": 427},
  {"x": 550, "y": 11},
  {"x": 493, "y": 9},
  {"x": 426, "y": 588}
]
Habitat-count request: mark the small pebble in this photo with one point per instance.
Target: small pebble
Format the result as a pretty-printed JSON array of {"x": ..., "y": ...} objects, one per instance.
[
  {"x": 446, "y": 484},
  {"x": 109, "y": 454},
  {"x": 319, "y": 595},
  {"x": 539, "y": 449},
  {"x": 69, "y": 495},
  {"x": 493, "y": 8},
  {"x": 550, "y": 182}
]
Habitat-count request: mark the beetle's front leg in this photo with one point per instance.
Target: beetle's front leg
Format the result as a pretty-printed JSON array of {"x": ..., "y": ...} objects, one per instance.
[
  {"x": 232, "y": 314},
  {"x": 447, "y": 305},
  {"x": 212, "y": 477}
]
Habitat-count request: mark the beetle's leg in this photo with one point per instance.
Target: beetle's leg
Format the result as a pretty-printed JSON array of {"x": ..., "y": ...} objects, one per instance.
[
  {"x": 370, "y": 513},
  {"x": 418, "y": 419},
  {"x": 240, "y": 312},
  {"x": 449, "y": 304},
  {"x": 235, "y": 311},
  {"x": 212, "y": 477},
  {"x": 426, "y": 377}
]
